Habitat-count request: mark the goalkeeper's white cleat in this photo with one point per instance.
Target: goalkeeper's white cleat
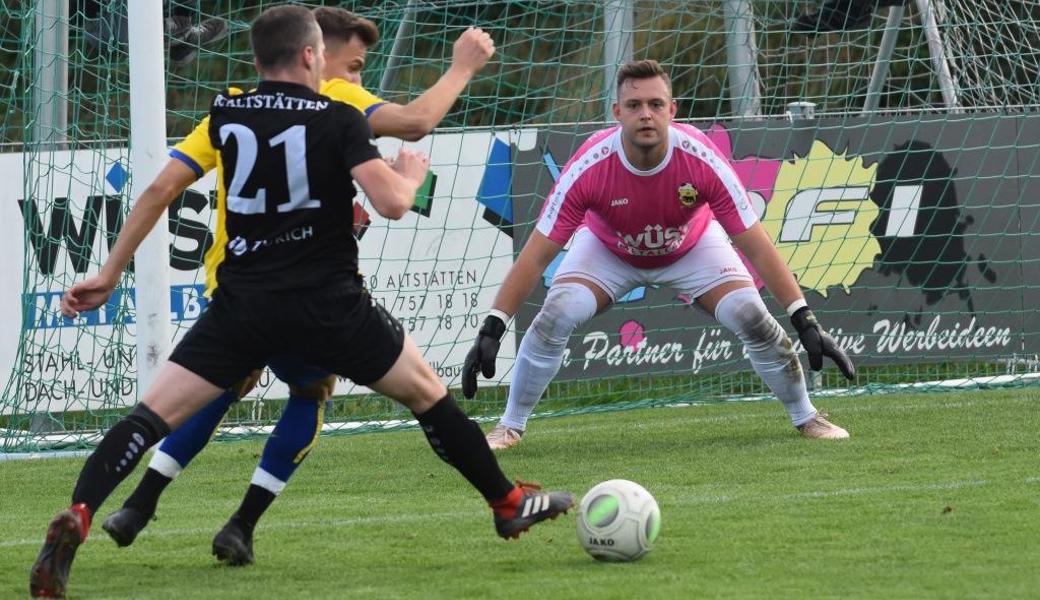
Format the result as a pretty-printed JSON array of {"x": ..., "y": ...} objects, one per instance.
[
  {"x": 819, "y": 427},
  {"x": 502, "y": 437}
]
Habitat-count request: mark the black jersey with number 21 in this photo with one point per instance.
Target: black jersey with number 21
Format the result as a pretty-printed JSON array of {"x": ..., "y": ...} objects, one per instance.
[{"x": 287, "y": 153}]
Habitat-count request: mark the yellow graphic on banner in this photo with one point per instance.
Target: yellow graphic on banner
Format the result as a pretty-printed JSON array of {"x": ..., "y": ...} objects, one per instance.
[{"x": 820, "y": 216}]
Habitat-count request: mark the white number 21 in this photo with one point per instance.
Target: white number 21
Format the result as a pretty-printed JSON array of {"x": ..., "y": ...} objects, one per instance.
[{"x": 295, "y": 140}]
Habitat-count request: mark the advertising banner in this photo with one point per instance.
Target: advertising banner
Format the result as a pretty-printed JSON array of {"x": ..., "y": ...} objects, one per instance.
[
  {"x": 433, "y": 269},
  {"x": 918, "y": 251},
  {"x": 917, "y": 248}
]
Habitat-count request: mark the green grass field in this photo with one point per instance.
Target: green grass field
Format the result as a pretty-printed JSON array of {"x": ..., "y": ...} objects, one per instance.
[{"x": 935, "y": 496}]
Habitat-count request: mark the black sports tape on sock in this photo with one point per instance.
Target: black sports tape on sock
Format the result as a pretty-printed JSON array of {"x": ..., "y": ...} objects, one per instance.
[{"x": 147, "y": 417}]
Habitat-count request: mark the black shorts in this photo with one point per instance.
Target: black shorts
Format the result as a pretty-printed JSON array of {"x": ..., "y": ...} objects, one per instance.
[{"x": 342, "y": 331}]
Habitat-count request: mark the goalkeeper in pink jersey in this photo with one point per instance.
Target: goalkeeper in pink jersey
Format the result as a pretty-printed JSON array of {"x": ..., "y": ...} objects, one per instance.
[{"x": 651, "y": 202}]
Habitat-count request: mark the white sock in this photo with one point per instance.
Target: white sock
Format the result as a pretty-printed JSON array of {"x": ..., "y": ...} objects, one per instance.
[
  {"x": 165, "y": 464},
  {"x": 769, "y": 349},
  {"x": 267, "y": 481},
  {"x": 567, "y": 305}
]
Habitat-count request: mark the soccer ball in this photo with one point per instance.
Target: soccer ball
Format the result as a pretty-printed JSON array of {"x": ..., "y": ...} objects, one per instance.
[{"x": 618, "y": 521}]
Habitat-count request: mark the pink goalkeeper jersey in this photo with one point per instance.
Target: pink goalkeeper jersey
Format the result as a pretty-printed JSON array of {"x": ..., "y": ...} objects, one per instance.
[{"x": 652, "y": 218}]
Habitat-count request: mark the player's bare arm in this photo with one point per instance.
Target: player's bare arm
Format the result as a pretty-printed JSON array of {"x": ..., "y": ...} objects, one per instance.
[
  {"x": 759, "y": 249},
  {"x": 412, "y": 121},
  {"x": 756, "y": 245},
  {"x": 91, "y": 293},
  {"x": 537, "y": 254},
  {"x": 391, "y": 185}
]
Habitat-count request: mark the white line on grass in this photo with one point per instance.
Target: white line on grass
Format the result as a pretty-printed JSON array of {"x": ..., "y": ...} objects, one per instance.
[
  {"x": 273, "y": 526},
  {"x": 396, "y": 424},
  {"x": 952, "y": 485},
  {"x": 931, "y": 404},
  {"x": 405, "y": 518}
]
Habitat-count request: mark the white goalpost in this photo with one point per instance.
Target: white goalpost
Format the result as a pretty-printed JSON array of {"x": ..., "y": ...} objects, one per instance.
[{"x": 147, "y": 157}]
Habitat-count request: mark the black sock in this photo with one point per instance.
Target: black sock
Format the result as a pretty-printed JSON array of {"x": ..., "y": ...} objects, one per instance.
[
  {"x": 145, "y": 497},
  {"x": 253, "y": 506},
  {"x": 117, "y": 455},
  {"x": 459, "y": 441}
]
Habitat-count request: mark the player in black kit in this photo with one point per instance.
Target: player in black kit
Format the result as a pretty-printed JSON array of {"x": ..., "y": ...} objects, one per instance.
[{"x": 288, "y": 287}]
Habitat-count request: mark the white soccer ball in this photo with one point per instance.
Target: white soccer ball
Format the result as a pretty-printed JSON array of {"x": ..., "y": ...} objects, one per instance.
[{"x": 618, "y": 521}]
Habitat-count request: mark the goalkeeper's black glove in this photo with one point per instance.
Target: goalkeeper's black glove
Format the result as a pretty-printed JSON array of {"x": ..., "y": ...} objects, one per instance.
[
  {"x": 818, "y": 344},
  {"x": 482, "y": 355}
]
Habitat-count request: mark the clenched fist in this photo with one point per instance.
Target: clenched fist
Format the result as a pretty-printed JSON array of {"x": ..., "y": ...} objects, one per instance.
[
  {"x": 472, "y": 50},
  {"x": 411, "y": 164}
]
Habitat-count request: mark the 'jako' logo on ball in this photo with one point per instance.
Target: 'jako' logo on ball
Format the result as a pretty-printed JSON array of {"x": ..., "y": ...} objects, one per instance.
[{"x": 618, "y": 521}]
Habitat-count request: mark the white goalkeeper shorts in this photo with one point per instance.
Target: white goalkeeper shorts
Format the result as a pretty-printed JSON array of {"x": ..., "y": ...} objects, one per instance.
[{"x": 710, "y": 263}]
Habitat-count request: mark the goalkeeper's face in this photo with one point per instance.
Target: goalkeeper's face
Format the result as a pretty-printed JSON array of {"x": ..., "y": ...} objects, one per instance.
[{"x": 645, "y": 108}]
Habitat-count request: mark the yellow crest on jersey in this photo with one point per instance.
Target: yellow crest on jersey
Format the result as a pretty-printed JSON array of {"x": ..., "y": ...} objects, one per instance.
[{"x": 687, "y": 194}]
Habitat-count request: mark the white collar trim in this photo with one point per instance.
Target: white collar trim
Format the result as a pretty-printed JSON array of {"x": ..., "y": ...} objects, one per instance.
[{"x": 657, "y": 169}]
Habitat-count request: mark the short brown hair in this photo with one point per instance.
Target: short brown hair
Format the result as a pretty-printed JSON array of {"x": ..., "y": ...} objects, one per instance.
[
  {"x": 642, "y": 69},
  {"x": 339, "y": 25},
  {"x": 281, "y": 33}
]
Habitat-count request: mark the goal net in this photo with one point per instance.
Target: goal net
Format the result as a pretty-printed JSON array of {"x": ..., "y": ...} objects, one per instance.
[{"x": 890, "y": 148}]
